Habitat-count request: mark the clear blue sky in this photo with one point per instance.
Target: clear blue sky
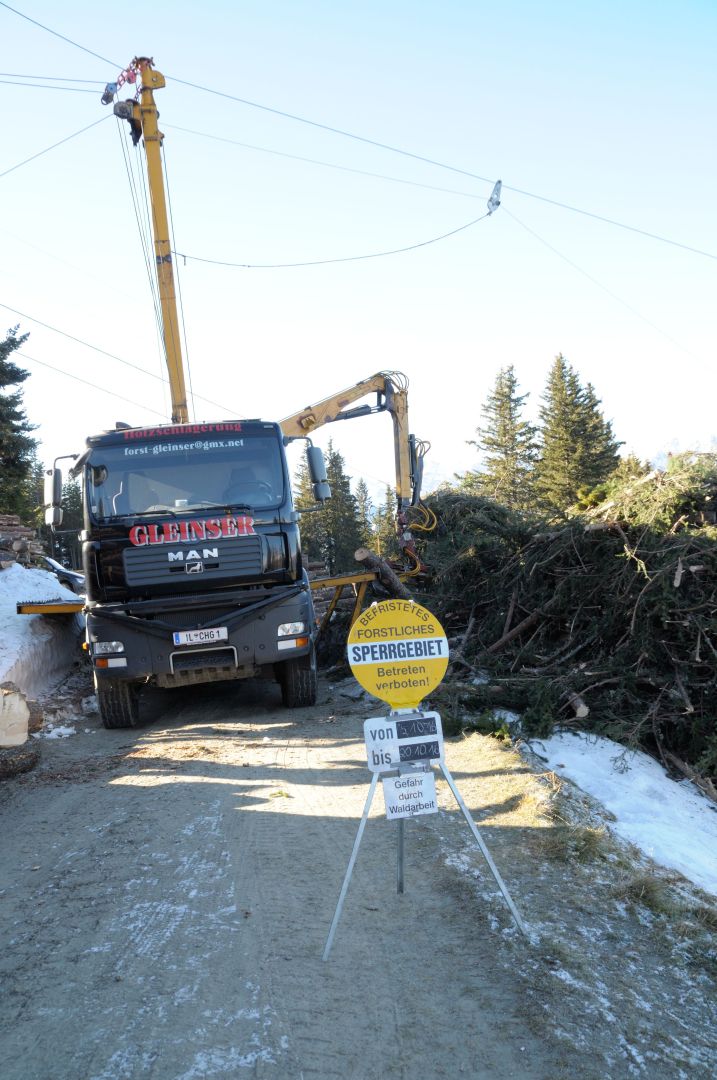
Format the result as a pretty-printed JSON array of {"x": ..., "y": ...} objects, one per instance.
[{"x": 609, "y": 108}]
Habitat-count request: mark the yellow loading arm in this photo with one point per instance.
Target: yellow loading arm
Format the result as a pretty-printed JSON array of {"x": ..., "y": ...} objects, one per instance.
[
  {"x": 142, "y": 116},
  {"x": 391, "y": 388}
]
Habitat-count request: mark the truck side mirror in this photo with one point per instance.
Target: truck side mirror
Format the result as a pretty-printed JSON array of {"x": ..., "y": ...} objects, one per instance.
[
  {"x": 317, "y": 472},
  {"x": 53, "y": 488},
  {"x": 53, "y": 516}
]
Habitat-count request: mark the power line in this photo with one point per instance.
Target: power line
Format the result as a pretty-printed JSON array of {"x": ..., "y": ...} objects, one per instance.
[
  {"x": 138, "y": 219},
  {"x": 325, "y": 262},
  {"x": 48, "y": 78},
  {"x": 325, "y": 164},
  {"x": 79, "y": 341},
  {"x": 54, "y": 145},
  {"x": 94, "y": 386},
  {"x": 610, "y": 221},
  {"x": 600, "y": 285},
  {"x": 383, "y": 146},
  {"x": 103, "y": 352},
  {"x": 327, "y": 127},
  {"x": 179, "y": 281},
  {"x": 444, "y": 165},
  {"x": 61, "y": 36},
  {"x": 42, "y": 86}
]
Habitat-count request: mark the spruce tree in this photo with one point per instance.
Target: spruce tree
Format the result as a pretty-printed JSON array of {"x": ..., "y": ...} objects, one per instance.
[
  {"x": 71, "y": 505},
  {"x": 17, "y": 448},
  {"x": 364, "y": 514},
  {"x": 32, "y": 510},
  {"x": 385, "y": 537},
  {"x": 332, "y": 532},
  {"x": 312, "y": 526},
  {"x": 72, "y": 519},
  {"x": 508, "y": 444},
  {"x": 341, "y": 516},
  {"x": 578, "y": 449}
]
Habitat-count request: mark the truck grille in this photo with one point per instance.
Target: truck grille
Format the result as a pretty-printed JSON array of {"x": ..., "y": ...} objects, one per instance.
[
  {"x": 214, "y": 658},
  {"x": 203, "y": 561}
]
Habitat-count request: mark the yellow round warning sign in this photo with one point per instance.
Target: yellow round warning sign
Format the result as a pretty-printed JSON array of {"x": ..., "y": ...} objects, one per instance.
[{"x": 398, "y": 651}]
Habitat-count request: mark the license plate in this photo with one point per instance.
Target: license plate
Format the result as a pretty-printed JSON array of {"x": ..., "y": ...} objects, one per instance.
[{"x": 200, "y": 637}]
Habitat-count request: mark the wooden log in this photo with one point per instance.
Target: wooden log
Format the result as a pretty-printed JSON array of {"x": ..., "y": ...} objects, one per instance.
[
  {"x": 580, "y": 706},
  {"x": 702, "y": 782},
  {"x": 528, "y": 621},
  {"x": 511, "y": 611},
  {"x": 386, "y": 575}
]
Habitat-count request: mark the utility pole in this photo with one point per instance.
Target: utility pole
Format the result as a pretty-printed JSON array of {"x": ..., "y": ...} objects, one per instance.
[{"x": 142, "y": 116}]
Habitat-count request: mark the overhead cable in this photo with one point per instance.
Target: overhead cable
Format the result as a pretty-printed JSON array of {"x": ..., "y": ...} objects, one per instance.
[
  {"x": 43, "y": 86},
  {"x": 48, "y": 78},
  {"x": 103, "y": 352},
  {"x": 86, "y": 382},
  {"x": 61, "y": 36},
  {"x": 54, "y": 145},
  {"x": 178, "y": 278},
  {"x": 325, "y": 164},
  {"x": 327, "y": 127},
  {"x": 610, "y": 221},
  {"x": 443, "y": 165},
  {"x": 384, "y": 146},
  {"x": 345, "y": 259},
  {"x": 600, "y": 285}
]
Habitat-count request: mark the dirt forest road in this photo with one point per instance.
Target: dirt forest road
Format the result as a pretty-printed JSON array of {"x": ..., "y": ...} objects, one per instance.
[{"x": 166, "y": 895}]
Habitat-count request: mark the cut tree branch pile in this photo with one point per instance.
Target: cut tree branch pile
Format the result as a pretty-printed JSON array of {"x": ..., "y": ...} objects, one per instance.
[{"x": 608, "y": 622}]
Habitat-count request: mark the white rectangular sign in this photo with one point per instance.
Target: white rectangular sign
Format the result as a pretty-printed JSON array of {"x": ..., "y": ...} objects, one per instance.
[
  {"x": 409, "y": 795},
  {"x": 398, "y": 740}
]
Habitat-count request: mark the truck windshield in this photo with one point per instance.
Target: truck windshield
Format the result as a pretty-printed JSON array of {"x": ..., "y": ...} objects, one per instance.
[{"x": 180, "y": 476}]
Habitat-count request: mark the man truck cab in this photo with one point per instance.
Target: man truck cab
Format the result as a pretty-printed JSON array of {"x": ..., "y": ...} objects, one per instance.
[{"x": 192, "y": 561}]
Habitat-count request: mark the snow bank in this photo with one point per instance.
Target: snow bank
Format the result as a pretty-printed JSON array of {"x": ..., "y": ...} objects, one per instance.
[
  {"x": 670, "y": 822},
  {"x": 35, "y": 651}
]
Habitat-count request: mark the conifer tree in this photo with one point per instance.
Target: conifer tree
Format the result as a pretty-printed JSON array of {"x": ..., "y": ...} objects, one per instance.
[
  {"x": 341, "y": 516},
  {"x": 312, "y": 525},
  {"x": 578, "y": 449},
  {"x": 71, "y": 505},
  {"x": 331, "y": 533},
  {"x": 17, "y": 448},
  {"x": 385, "y": 538},
  {"x": 33, "y": 511},
  {"x": 508, "y": 444},
  {"x": 364, "y": 514}
]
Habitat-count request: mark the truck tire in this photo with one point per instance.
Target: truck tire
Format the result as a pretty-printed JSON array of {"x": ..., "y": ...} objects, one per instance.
[
  {"x": 118, "y": 702},
  {"x": 299, "y": 680}
]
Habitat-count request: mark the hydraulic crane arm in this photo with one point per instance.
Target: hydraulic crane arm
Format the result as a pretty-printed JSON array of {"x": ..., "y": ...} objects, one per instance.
[
  {"x": 391, "y": 388},
  {"x": 142, "y": 116}
]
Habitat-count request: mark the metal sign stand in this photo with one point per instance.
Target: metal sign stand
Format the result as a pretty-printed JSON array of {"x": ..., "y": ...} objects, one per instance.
[
  {"x": 400, "y": 854},
  {"x": 350, "y": 867}
]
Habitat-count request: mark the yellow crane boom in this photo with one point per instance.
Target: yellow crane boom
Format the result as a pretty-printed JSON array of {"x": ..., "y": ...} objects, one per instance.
[{"x": 391, "y": 396}]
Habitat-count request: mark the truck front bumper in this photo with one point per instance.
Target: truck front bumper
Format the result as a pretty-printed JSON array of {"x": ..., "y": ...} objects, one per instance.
[{"x": 139, "y": 639}]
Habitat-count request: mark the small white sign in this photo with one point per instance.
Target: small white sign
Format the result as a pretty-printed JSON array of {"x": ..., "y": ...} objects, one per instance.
[{"x": 409, "y": 795}]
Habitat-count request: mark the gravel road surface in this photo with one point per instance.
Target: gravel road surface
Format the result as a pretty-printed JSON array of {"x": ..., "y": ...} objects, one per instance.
[{"x": 166, "y": 895}]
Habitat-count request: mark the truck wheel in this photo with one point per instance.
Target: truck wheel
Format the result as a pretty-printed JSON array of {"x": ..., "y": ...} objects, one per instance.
[
  {"x": 118, "y": 703},
  {"x": 299, "y": 681}
]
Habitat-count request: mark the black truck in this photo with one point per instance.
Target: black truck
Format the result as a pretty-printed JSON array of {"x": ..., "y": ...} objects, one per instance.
[{"x": 192, "y": 561}]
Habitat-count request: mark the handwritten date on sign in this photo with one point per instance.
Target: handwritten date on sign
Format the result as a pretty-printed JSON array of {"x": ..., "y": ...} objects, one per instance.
[{"x": 394, "y": 741}]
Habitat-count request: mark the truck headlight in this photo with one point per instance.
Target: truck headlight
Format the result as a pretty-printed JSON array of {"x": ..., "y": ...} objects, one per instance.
[
  {"x": 102, "y": 648},
  {"x": 289, "y": 629}
]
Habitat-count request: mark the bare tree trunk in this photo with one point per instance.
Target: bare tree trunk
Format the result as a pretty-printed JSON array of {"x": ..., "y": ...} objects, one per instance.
[{"x": 386, "y": 575}]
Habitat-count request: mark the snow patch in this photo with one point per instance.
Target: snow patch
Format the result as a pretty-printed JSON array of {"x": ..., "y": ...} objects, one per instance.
[
  {"x": 34, "y": 651},
  {"x": 58, "y": 732},
  {"x": 670, "y": 822}
]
